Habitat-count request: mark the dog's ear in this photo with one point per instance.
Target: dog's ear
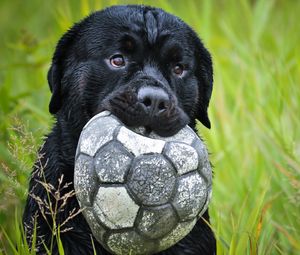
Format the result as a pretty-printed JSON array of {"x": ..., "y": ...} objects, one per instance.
[
  {"x": 54, "y": 80},
  {"x": 204, "y": 74},
  {"x": 57, "y": 69}
]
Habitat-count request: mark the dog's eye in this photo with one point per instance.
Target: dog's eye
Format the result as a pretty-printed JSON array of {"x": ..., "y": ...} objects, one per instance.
[
  {"x": 178, "y": 69},
  {"x": 117, "y": 61}
]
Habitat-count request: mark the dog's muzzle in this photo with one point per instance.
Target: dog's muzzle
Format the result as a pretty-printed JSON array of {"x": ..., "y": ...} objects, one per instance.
[{"x": 145, "y": 102}]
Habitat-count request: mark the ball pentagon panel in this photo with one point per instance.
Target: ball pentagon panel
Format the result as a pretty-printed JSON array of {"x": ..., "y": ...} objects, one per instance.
[
  {"x": 156, "y": 222},
  {"x": 151, "y": 179},
  {"x": 112, "y": 163},
  {"x": 179, "y": 232}
]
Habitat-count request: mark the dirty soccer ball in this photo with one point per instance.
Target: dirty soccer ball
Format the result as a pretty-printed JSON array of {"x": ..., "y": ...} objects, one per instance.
[{"x": 140, "y": 193}]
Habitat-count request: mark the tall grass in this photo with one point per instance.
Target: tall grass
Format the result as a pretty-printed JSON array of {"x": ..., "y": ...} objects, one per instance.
[{"x": 255, "y": 111}]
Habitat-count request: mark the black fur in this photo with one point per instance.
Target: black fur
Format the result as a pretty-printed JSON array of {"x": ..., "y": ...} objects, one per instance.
[{"x": 83, "y": 83}]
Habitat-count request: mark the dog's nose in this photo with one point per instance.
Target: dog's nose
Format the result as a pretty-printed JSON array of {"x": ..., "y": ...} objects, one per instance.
[{"x": 156, "y": 100}]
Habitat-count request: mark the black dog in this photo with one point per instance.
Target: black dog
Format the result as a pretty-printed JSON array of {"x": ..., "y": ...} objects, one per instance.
[{"x": 148, "y": 68}]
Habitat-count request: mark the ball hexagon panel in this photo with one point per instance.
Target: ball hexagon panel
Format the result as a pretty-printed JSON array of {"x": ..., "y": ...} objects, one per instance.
[
  {"x": 190, "y": 196},
  {"x": 97, "y": 229},
  {"x": 181, "y": 230},
  {"x": 138, "y": 144},
  {"x": 204, "y": 164},
  {"x": 208, "y": 198},
  {"x": 94, "y": 137},
  {"x": 130, "y": 243},
  {"x": 112, "y": 163},
  {"x": 114, "y": 207},
  {"x": 156, "y": 222},
  {"x": 98, "y": 116},
  {"x": 85, "y": 179},
  {"x": 151, "y": 179},
  {"x": 185, "y": 135},
  {"x": 183, "y": 156}
]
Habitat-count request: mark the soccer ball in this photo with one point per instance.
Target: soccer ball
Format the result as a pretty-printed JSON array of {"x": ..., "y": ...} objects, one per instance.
[{"x": 140, "y": 193}]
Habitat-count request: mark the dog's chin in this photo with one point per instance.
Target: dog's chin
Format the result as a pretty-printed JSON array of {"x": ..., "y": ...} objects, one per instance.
[{"x": 126, "y": 107}]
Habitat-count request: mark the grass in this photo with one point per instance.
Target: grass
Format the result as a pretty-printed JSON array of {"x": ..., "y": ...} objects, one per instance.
[{"x": 255, "y": 109}]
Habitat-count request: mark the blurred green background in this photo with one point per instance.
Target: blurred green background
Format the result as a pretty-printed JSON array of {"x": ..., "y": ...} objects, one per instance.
[{"x": 255, "y": 111}]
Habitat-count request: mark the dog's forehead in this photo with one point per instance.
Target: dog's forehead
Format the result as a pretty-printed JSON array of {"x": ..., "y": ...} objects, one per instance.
[{"x": 147, "y": 22}]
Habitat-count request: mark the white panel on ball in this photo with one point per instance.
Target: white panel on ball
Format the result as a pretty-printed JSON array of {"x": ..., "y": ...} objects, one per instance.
[
  {"x": 115, "y": 208},
  {"x": 144, "y": 145},
  {"x": 179, "y": 152},
  {"x": 95, "y": 136}
]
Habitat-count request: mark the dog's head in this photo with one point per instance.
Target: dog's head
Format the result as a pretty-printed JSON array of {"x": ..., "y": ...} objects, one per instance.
[{"x": 144, "y": 65}]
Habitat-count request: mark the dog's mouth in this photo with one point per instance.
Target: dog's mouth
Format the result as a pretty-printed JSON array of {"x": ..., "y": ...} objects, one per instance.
[{"x": 148, "y": 107}]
